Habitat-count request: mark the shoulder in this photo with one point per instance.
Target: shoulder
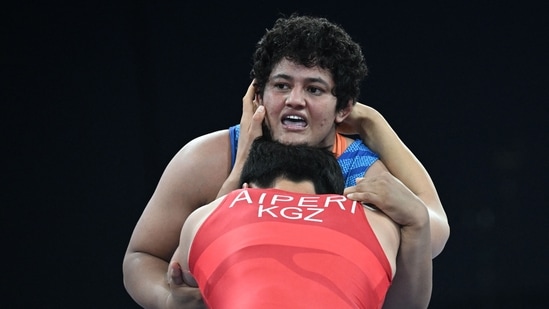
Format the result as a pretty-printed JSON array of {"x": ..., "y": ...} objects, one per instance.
[
  {"x": 201, "y": 166},
  {"x": 218, "y": 139},
  {"x": 198, "y": 216},
  {"x": 205, "y": 149}
]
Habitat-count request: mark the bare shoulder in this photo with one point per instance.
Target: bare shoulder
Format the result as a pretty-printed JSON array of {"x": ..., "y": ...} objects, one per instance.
[
  {"x": 188, "y": 232},
  {"x": 201, "y": 166},
  {"x": 205, "y": 149},
  {"x": 195, "y": 174},
  {"x": 197, "y": 218},
  {"x": 192, "y": 179}
]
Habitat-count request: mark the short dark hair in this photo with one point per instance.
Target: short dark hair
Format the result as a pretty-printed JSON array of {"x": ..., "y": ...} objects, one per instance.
[
  {"x": 312, "y": 41},
  {"x": 269, "y": 160}
]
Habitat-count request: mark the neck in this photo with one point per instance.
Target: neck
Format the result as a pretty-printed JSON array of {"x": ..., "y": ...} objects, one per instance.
[{"x": 292, "y": 186}]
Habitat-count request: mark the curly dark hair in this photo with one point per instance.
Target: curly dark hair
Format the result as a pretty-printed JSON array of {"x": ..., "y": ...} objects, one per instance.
[
  {"x": 312, "y": 41},
  {"x": 268, "y": 160}
]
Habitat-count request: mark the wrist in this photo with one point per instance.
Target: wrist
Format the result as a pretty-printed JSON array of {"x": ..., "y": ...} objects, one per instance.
[
  {"x": 367, "y": 120},
  {"x": 420, "y": 224},
  {"x": 361, "y": 117}
]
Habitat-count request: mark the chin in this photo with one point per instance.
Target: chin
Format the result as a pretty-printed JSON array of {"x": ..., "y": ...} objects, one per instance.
[{"x": 291, "y": 140}]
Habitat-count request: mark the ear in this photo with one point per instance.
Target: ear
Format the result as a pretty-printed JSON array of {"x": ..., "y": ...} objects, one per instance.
[
  {"x": 344, "y": 112},
  {"x": 245, "y": 185}
]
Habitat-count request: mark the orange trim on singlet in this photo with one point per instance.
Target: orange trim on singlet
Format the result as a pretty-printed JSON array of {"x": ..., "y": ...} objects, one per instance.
[{"x": 340, "y": 145}]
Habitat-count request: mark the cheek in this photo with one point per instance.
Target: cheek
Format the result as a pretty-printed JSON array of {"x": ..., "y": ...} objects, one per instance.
[
  {"x": 270, "y": 113},
  {"x": 325, "y": 118},
  {"x": 326, "y": 122},
  {"x": 271, "y": 107}
]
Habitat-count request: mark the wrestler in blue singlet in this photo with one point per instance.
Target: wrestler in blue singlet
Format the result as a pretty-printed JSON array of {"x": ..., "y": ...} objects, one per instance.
[{"x": 354, "y": 161}]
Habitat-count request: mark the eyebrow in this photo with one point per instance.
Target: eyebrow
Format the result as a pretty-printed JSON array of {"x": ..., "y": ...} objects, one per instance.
[{"x": 308, "y": 79}]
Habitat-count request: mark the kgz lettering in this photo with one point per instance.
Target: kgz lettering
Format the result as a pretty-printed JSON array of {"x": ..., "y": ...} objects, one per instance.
[{"x": 291, "y": 213}]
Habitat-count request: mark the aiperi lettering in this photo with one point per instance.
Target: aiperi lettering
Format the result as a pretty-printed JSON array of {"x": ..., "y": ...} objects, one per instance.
[{"x": 306, "y": 208}]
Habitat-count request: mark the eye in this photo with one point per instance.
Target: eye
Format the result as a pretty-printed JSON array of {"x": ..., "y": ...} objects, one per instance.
[
  {"x": 281, "y": 86},
  {"x": 315, "y": 90}
]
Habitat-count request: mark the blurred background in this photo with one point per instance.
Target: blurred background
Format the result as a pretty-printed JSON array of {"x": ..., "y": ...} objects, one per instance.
[{"x": 98, "y": 96}]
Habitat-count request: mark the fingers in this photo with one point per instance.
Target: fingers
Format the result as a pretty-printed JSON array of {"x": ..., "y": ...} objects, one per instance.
[
  {"x": 353, "y": 189},
  {"x": 250, "y": 105},
  {"x": 249, "y": 102},
  {"x": 250, "y": 93},
  {"x": 254, "y": 129},
  {"x": 175, "y": 274},
  {"x": 250, "y": 123},
  {"x": 364, "y": 197},
  {"x": 258, "y": 117},
  {"x": 349, "y": 190},
  {"x": 392, "y": 197}
]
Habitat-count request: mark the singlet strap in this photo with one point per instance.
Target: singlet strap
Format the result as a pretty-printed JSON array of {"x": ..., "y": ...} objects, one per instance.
[{"x": 340, "y": 145}]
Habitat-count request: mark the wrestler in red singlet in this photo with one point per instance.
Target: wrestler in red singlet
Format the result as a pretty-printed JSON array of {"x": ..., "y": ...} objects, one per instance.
[{"x": 268, "y": 248}]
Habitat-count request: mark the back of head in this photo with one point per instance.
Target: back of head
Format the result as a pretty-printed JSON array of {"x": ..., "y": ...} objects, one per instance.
[
  {"x": 312, "y": 41},
  {"x": 269, "y": 160}
]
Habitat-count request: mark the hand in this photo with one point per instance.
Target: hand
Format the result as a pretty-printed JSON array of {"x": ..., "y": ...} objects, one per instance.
[
  {"x": 180, "y": 293},
  {"x": 392, "y": 197},
  {"x": 250, "y": 129},
  {"x": 250, "y": 122}
]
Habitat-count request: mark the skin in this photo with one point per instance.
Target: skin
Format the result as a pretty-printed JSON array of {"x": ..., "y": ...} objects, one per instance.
[
  {"x": 193, "y": 179},
  {"x": 305, "y": 93},
  {"x": 294, "y": 91},
  {"x": 401, "y": 162}
]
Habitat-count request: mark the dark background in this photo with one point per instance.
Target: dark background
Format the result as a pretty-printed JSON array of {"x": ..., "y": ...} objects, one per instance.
[{"x": 98, "y": 96}]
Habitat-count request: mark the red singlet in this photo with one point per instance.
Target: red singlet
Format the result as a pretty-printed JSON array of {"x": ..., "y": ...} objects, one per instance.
[{"x": 276, "y": 249}]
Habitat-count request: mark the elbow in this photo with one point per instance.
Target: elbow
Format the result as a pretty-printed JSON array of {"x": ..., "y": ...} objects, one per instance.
[{"x": 440, "y": 233}]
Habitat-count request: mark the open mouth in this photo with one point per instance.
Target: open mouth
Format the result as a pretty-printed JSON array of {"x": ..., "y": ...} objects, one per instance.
[{"x": 294, "y": 121}]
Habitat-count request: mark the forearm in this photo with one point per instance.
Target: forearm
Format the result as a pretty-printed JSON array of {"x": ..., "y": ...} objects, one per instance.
[
  {"x": 146, "y": 281},
  {"x": 403, "y": 164},
  {"x": 250, "y": 129},
  {"x": 233, "y": 181},
  {"x": 229, "y": 185},
  {"x": 412, "y": 284}
]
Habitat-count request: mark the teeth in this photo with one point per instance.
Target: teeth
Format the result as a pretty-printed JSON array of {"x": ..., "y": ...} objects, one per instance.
[{"x": 294, "y": 117}]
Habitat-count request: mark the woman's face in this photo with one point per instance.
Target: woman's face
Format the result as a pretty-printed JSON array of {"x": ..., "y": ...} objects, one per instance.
[{"x": 299, "y": 104}]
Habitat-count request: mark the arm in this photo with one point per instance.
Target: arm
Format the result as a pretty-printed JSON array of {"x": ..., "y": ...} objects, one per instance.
[
  {"x": 412, "y": 285},
  {"x": 250, "y": 129},
  {"x": 180, "y": 259},
  {"x": 413, "y": 281},
  {"x": 401, "y": 162},
  {"x": 190, "y": 180}
]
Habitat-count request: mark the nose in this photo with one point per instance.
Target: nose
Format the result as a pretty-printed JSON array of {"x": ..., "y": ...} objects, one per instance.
[{"x": 296, "y": 98}]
